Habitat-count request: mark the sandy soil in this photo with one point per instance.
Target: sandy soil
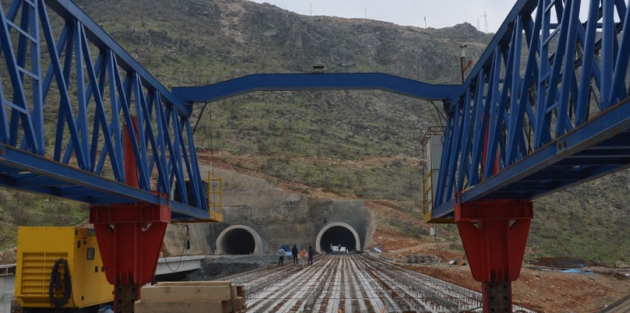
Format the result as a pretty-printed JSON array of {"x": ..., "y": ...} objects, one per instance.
[{"x": 545, "y": 290}]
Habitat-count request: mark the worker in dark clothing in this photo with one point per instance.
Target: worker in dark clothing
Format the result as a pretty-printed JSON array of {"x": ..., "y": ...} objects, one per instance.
[
  {"x": 294, "y": 252},
  {"x": 310, "y": 255}
]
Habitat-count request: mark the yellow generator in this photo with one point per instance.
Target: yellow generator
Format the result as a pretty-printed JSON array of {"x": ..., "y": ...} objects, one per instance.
[{"x": 60, "y": 268}]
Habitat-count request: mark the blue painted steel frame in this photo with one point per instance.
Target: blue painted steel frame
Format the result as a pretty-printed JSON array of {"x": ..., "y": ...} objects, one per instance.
[
  {"x": 544, "y": 108},
  {"x": 306, "y": 82},
  {"x": 86, "y": 161},
  {"x": 550, "y": 105}
]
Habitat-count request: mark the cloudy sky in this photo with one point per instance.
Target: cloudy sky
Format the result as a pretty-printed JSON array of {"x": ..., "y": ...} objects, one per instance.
[{"x": 439, "y": 14}]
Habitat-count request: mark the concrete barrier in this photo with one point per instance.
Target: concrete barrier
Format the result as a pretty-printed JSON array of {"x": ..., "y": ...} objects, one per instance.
[
  {"x": 7, "y": 287},
  {"x": 177, "y": 264}
]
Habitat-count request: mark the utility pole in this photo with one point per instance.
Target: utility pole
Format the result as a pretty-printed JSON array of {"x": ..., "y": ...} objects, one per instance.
[
  {"x": 461, "y": 59},
  {"x": 366, "y": 13},
  {"x": 425, "y": 22},
  {"x": 485, "y": 21},
  {"x": 310, "y": 5}
]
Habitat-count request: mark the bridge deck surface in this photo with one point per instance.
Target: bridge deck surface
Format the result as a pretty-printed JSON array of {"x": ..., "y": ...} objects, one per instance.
[{"x": 351, "y": 283}]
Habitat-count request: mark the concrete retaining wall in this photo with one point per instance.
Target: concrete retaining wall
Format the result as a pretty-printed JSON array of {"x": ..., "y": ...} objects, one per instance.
[{"x": 297, "y": 220}]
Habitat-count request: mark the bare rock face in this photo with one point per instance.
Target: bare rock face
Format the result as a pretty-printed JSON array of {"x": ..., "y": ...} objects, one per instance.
[
  {"x": 8, "y": 256},
  {"x": 464, "y": 32}
]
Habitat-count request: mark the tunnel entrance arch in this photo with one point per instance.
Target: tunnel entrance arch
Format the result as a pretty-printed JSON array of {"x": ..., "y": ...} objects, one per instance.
[
  {"x": 239, "y": 240},
  {"x": 337, "y": 233}
]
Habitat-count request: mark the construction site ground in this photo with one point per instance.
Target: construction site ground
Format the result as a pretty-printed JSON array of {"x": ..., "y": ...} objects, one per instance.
[
  {"x": 540, "y": 288},
  {"x": 543, "y": 289}
]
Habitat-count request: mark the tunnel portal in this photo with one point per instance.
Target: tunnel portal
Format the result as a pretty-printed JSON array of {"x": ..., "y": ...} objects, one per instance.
[
  {"x": 337, "y": 235},
  {"x": 340, "y": 234},
  {"x": 239, "y": 240}
]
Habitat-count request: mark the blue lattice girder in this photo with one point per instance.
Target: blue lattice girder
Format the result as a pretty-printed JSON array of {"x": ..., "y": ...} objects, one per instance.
[
  {"x": 544, "y": 108},
  {"x": 316, "y": 81},
  {"x": 92, "y": 98},
  {"x": 550, "y": 101}
]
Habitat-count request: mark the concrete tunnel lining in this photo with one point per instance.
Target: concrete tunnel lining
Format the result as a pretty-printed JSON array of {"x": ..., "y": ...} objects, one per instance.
[
  {"x": 224, "y": 236},
  {"x": 318, "y": 246}
]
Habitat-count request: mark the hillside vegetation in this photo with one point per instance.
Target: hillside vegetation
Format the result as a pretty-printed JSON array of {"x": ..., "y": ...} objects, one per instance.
[{"x": 328, "y": 140}]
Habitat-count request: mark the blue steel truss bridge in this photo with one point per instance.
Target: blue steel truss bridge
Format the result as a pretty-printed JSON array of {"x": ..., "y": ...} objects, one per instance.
[{"x": 545, "y": 108}]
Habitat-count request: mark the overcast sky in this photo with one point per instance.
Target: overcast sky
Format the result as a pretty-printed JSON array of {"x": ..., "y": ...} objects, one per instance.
[{"x": 439, "y": 14}]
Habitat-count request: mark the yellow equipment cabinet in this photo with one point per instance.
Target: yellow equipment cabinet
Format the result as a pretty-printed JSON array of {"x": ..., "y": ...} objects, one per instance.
[{"x": 40, "y": 251}]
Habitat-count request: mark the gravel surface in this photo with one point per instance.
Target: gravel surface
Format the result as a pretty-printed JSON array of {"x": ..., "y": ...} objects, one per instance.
[{"x": 214, "y": 268}]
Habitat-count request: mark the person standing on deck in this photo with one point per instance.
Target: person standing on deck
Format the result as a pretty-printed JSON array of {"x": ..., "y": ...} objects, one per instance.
[
  {"x": 281, "y": 255},
  {"x": 302, "y": 255},
  {"x": 310, "y": 255},
  {"x": 294, "y": 252}
]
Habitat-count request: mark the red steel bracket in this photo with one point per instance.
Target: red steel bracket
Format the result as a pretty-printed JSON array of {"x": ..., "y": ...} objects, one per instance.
[
  {"x": 494, "y": 234},
  {"x": 130, "y": 238}
]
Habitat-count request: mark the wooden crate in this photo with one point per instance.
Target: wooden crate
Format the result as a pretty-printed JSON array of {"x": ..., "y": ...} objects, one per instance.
[
  {"x": 192, "y": 297},
  {"x": 240, "y": 291},
  {"x": 238, "y": 304},
  {"x": 194, "y": 283},
  {"x": 142, "y": 306},
  {"x": 186, "y": 293}
]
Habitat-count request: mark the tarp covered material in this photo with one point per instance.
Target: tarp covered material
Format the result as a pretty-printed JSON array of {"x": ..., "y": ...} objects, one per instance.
[{"x": 577, "y": 271}]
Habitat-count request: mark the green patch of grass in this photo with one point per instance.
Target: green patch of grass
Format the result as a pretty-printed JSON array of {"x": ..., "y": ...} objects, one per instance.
[{"x": 24, "y": 209}]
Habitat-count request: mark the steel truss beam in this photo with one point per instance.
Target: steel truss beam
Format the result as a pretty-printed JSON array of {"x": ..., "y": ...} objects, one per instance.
[
  {"x": 316, "y": 81},
  {"x": 65, "y": 65},
  {"x": 545, "y": 108}
]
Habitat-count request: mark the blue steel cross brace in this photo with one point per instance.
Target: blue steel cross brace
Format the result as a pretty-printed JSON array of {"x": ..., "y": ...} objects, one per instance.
[
  {"x": 545, "y": 107},
  {"x": 91, "y": 105}
]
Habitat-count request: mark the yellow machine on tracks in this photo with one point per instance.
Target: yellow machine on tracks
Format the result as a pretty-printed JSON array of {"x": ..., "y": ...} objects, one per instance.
[{"x": 59, "y": 269}]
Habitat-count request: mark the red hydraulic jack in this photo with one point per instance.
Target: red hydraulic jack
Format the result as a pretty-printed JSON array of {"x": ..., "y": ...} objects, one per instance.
[
  {"x": 494, "y": 234},
  {"x": 129, "y": 238}
]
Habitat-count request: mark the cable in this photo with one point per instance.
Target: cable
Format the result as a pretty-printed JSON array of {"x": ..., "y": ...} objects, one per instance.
[
  {"x": 435, "y": 119},
  {"x": 441, "y": 117},
  {"x": 185, "y": 246},
  {"x": 211, "y": 160},
  {"x": 210, "y": 182},
  {"x": 57, "y": 284},
  {"x": 199, "y": 118},
  {"x": 439, "y": 114},
  {"x": 436, "y": 242}
]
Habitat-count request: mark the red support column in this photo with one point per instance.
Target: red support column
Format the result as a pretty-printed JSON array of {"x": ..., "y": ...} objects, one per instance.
[
  {"x": 129, "y": 165},
  {"x": 129, "y": 237},
  {"x": 494, "y": 234}
]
